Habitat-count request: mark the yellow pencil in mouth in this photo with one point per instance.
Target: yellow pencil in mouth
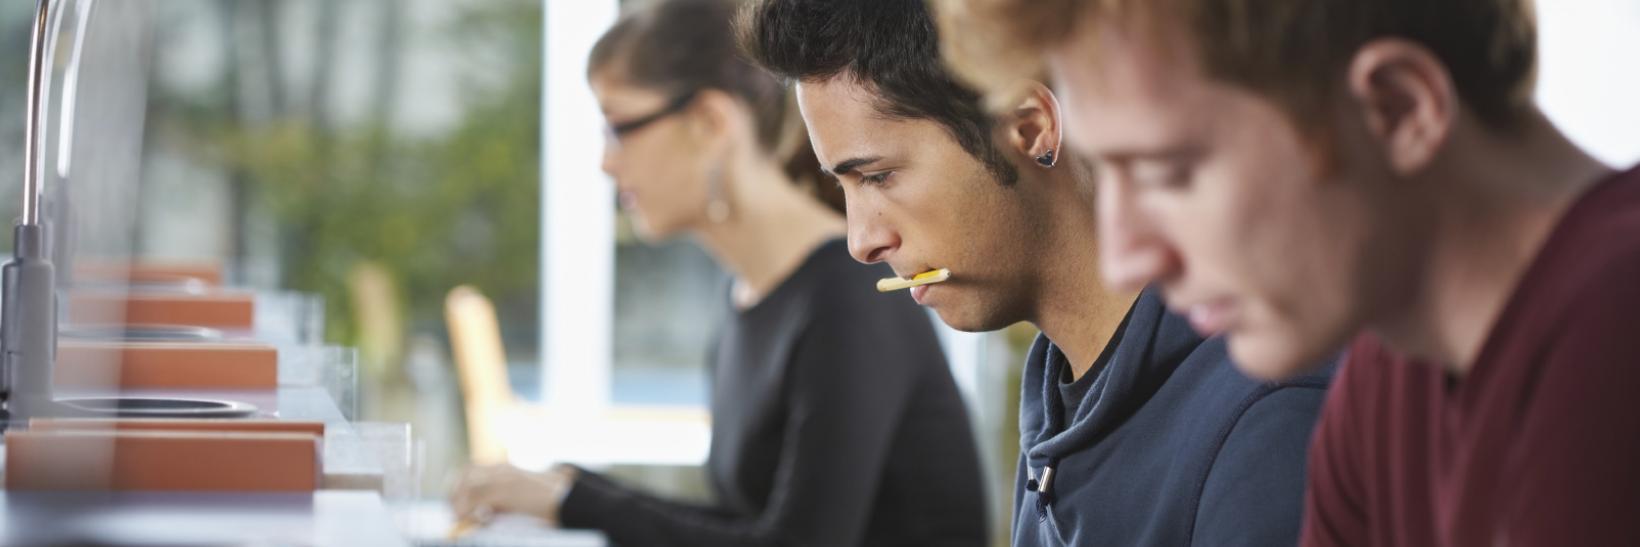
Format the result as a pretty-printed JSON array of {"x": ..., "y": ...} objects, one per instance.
[{"x": 926, "y": 278}]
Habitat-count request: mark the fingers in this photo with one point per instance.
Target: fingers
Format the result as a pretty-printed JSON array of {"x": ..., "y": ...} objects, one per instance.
[
  {"x": 482, "y": 491},
  {"x": 476, "y": 495}
]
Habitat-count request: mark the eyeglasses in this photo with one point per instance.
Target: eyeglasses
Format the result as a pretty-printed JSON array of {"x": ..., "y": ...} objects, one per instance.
[{"x": 617, "y": 131}]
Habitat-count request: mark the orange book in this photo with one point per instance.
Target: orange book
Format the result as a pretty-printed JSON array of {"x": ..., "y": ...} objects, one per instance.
[
  {"x": 177, "y": 424},
  {"x": 162, "y": 461},
  {"x": 208, "y": 273},
  {"x": 89, "y": 364},
  {"x": 218, "y": 309}
]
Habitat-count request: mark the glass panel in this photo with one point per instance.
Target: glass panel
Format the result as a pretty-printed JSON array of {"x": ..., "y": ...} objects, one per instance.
[
  {"x": 669, "y": 303},
  {"x": 348, "y": 161},
  {"x": 377, "y": 154}
]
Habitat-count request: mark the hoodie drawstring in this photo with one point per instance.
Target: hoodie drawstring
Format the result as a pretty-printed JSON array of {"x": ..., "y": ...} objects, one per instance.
[{"x": 1042, "y": 486}]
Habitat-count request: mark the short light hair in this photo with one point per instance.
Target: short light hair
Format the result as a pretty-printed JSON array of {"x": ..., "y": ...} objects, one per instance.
[{"x": 1294, "y": 52}]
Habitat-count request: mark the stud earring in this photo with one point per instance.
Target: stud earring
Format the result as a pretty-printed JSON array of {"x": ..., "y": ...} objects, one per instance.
[{"x": 1047, "y": 159}]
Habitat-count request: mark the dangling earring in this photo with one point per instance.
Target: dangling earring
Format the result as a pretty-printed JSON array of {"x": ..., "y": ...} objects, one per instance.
[
  {"x": 717, "y": 208},
  {"x": 1047, "y": 159}
]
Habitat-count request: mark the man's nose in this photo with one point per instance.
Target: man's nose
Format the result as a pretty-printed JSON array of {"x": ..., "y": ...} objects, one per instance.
[{"x": 1132, "y": 252}]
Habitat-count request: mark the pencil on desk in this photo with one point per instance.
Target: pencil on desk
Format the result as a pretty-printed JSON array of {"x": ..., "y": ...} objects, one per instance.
[
  {"x": 461, "y": 528},
  {"x": 926, "y": 278}
]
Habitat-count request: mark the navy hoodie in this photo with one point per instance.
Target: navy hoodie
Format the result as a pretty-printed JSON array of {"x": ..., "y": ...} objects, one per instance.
[{"x": 1170, "y": 446}]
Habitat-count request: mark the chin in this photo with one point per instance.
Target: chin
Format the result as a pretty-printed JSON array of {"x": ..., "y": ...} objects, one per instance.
[
  {"x": 648, "y": 237},
  {"x": 1274, "y": 358},
  {"x": 967, "y": 321},
  {"x": 651, "y": 233}
]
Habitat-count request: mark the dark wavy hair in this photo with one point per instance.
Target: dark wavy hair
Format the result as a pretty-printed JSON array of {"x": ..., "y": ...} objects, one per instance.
[{"x": 890, "y": 46}]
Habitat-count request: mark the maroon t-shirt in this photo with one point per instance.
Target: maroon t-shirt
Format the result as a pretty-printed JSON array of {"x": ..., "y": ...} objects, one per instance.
[{"x": 1538, "y": 445}]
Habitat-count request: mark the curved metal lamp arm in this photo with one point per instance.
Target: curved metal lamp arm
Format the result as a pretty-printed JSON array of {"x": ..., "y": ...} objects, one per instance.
[
  {"x": 28, "y": 317},
  {"x": 34, "y": 115}
]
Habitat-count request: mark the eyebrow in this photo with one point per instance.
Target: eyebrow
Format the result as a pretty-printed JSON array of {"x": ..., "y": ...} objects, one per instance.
[
  {"x": 851, "y": 165},
  {"x": 1189, "y": 152}
]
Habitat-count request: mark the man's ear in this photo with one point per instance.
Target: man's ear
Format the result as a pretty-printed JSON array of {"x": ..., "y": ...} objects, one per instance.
[
  {"x": 1033, "y": 129},
  {"x": 1407, "y": 100}
]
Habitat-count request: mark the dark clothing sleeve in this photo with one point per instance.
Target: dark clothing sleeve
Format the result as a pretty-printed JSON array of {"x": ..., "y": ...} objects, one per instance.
[
  {"x": 842, "y": 408},
  {"x": 1253, "y": 496},
  {"x": 595, "y": 502}
]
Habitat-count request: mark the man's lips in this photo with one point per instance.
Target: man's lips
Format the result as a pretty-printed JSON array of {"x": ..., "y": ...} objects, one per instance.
[
  {"x": 1211, "y": 317},
  {"x": 920, "y": 294}
]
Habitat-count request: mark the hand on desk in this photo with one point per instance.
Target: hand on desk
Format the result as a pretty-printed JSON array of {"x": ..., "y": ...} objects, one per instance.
[{"x": 487, "y": 490}]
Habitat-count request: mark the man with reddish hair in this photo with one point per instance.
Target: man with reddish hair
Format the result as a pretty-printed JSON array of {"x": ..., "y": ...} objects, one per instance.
[{"x": 1302, "y": 175}]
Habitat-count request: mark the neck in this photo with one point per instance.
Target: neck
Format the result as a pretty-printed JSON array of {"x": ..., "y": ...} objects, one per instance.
[
  {"x": 1073, "y": 308},
  {"x": 772, "y": 228},
  {"x": 1493, "y": 203}
]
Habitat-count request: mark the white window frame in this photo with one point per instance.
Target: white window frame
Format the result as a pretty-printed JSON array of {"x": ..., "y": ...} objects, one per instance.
[{"x": 578, "y": 421}]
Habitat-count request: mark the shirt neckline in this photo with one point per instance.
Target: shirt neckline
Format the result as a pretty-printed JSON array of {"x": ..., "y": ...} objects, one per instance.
[
  {"x": 792, "y": 280},
  {"x": 1534, "y": 274}
]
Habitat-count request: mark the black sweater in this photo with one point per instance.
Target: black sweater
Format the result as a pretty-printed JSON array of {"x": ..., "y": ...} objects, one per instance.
[{"x": 835, "y": 422}]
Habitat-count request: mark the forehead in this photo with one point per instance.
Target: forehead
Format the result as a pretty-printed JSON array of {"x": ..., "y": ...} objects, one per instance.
[
  {"x": 845, "y": 122},
  {"x": 614, "y": 92},
  {"x": 1121, "y": 88}
]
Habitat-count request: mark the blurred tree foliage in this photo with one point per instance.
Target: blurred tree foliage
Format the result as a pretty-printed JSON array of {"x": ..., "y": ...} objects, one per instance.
[
  {"x": 434, "y": 212},
  {"x": 14, "y": 41}
]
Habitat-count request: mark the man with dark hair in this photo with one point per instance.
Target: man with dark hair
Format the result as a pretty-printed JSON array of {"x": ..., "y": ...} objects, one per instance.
[
  {"x": 1385, "y": 178},
  {"x": 1134, "y": 430}
]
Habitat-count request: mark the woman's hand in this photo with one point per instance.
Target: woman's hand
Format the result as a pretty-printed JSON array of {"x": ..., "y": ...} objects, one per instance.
[{"x": 484, "y": 491}]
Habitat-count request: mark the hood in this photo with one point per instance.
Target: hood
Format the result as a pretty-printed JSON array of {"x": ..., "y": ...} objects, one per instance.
[{"x": 1146, "y": 348}]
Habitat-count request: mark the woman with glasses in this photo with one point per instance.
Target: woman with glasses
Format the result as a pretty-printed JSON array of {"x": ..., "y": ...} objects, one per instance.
[{"x": 835, "y": 420}]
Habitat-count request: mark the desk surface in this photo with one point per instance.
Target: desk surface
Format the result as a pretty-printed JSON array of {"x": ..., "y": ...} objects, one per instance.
[
  {"x": 323, "y": 518},
  {"x": 428, "y": 523},
  {"x": 326, "y": 517}
]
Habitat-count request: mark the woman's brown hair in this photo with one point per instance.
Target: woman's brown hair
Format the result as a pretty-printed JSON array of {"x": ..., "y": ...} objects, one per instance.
[{"x": 676, "y": 47}]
